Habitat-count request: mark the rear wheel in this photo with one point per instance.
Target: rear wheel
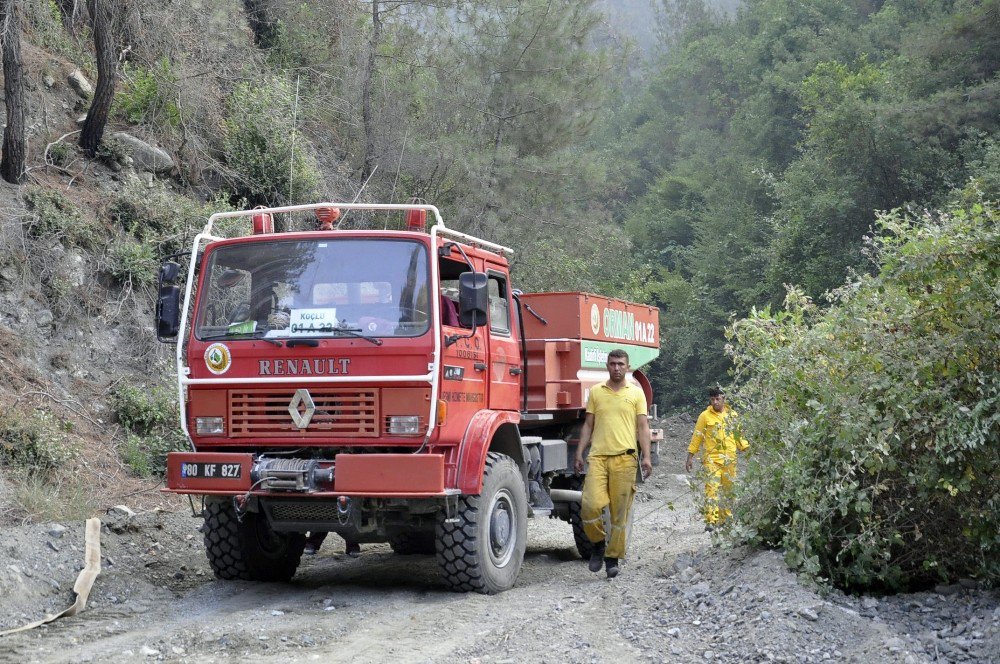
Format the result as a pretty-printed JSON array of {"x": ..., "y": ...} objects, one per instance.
[
  {"x": 247, "y": 548},
  {"x": 481, "y": 547},
  {"x": 583, "y": 545}
]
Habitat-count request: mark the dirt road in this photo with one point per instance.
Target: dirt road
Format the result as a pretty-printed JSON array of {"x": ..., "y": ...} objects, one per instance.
[{"x": 678, "y": 598}]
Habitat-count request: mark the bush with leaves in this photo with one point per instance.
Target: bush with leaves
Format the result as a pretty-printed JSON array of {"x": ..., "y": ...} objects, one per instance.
[
  {"x": 875, "y": 424},
  {"x": 149, "y": 416},
  {"x": 131, "y": 262},
  {"x": 34, "y": 439},
  {"x": 157, "y": 217},
  {"x": 270, "y": 165},
  {"x": 54, "y": 215},
  {"x": 148, "y": 95}
]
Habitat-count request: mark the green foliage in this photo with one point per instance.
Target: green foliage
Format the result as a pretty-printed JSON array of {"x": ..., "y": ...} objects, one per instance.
[
  {"x": 149, "y": 416},
  {"x": 303, "y": 40},
  {"x": 157, "y": 218},
  {"x": 766, "y": 141},
  {"x": 155, "y": 223},
  {"x": 131, "y": 262},
  {"x": 876, "y": 423},
  {"x": 263, "y": 148},
  {"x": 60, "y": 153},
  {"x": 113, "y": 153},
  {"x": 54, "y": 215},
  {"x": 147, "y": 95},
  {"x": 34, "y": 440},
  {"x": 143, "y": 410}
]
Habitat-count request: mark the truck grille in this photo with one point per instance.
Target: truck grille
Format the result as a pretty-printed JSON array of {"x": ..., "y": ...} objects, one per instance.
[{"x": 339, "y": 412}]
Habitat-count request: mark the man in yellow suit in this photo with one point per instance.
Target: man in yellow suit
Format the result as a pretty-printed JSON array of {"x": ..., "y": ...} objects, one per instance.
[
  {"x": 615, "y": 421},
  {"x": 716, "y": 436}
]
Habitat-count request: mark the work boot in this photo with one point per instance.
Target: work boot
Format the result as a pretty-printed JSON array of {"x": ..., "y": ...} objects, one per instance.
[
  {"x": 611, "y": 565},
  {"x": 596, "y": 557},
  {"x": 353, "y": 549},
  {"x": 310, "y": 549}
]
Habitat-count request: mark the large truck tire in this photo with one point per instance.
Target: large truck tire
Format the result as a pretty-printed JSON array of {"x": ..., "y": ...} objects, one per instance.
[
  {"x": 246, "y": 548},
  {"x": 413, "y": 543},
  {"x": 481, "y": 547},
  {"x": 583, "y": 545}
]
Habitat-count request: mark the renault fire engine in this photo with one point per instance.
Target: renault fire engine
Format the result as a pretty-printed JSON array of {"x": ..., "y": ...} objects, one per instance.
[{"x": 387, "y": 385}]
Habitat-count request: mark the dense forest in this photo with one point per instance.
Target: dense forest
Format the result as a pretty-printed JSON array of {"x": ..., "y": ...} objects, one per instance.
[
  {"x": 747, "y": 148},
  {"x": 719, "y": 160}
]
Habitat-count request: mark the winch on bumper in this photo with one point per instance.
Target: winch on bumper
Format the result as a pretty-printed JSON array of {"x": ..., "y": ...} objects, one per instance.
[{"x": 233, "y": 473}]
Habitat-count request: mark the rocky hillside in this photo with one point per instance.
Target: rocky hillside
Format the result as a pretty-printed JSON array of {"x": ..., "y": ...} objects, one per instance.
[{"x": 80, "y": 242}]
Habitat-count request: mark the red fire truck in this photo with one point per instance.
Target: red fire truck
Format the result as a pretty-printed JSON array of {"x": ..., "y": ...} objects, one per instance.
[{"x": 387, "y": 385}]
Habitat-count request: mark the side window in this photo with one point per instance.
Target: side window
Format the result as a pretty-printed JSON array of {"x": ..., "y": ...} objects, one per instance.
[
  {"x": 499, "y": 309},
  {"x": 450, "y": 270}
]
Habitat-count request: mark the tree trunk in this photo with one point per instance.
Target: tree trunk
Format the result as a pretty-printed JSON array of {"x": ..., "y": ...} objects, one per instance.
[
  {"x": 102, "y": 14},
  {"x": 265, "y": 31},
  {"x": 12, "y": 163},
  {"x": 366, "y": 95}
]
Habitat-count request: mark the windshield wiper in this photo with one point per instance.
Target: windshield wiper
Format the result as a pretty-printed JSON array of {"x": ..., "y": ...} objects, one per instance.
[
  {"x": 356, "y": 332},
  {"x": 255, "y": 336}
]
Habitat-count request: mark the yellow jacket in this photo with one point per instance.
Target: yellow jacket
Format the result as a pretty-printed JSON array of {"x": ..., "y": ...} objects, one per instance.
[{"x": 715, "y": 431}]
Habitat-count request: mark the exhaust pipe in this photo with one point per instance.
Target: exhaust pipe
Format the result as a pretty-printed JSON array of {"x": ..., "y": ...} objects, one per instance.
[{"x": 565, "y": 496}]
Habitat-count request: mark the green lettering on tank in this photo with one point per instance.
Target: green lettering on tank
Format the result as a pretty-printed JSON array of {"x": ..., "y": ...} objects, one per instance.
[{"x": 594, "y": 354}]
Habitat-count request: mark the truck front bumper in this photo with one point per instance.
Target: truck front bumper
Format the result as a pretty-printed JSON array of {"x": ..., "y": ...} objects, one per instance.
[{"x": 367, "y": 475}]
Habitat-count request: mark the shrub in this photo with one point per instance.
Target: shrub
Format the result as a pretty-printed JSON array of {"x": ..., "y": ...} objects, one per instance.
[
  {"x": 34, "y": 440},
  {"x": 259, "y": 148},
  {"x": 132, "y": 262},
  {"x": 150, "y": 419},
  {"x": 113, "y": 153},
  {"x": 60, "y": 153},
  {"x": 142, "y": 410},
  {"x": 146, "y": 95},
  {"x": 875, "y": 424},
  {"x": 156, "y": 217},
  {"x": 53, "y": 215}
]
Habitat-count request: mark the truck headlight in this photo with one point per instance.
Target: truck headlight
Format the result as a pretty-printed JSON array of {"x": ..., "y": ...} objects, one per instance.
[
  {"x": 207, "y": 426},
  {"x": 404, "y": 424}
]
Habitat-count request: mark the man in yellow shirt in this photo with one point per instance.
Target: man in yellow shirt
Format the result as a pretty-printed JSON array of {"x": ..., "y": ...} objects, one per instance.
[
  {"x": 616, "y": 418},
  {"x": 715, "y": 434}
]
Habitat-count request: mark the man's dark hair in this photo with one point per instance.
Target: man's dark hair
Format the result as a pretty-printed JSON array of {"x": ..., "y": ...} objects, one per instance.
[
  {"x": 715, "y": 392},
  {"x": 618, "y": 352}
]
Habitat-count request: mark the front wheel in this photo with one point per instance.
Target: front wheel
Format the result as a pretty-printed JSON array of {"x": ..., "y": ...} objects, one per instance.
[
  {"x": 481, "y": 546},
  {"x": 246, "y": 547}
]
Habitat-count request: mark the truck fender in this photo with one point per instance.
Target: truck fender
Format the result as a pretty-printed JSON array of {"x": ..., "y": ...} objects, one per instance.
[{"x": 489, "y": 431}]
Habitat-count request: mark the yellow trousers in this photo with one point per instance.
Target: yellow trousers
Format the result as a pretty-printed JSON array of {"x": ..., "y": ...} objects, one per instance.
[
  {"x": 610, "y": 483},
  {"x": 718, "y": 489}
]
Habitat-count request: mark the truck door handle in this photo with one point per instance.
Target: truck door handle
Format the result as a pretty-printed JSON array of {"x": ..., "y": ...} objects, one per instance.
[
  {"x": 515, "y": 371},
  {"x": 479, "y": 366}
]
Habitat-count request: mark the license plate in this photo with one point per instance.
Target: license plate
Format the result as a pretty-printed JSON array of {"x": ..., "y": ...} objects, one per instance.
[{"x": 224, "y": 471}]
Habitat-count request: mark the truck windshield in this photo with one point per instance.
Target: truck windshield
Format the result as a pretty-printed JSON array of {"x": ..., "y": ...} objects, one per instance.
[{"x": 315, "y": 288}]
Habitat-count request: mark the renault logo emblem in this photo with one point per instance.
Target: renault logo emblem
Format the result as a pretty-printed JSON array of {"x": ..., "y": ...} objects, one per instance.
[{"x": 303, "y": 400}]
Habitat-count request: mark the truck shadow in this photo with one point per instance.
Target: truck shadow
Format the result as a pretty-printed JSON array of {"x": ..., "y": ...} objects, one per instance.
[{"x": 419, "y": 573}]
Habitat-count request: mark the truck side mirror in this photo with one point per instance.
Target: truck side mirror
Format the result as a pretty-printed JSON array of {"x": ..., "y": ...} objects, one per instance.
[
  {"x": 169, "y": 272},
  {"x": 168, "y": 303},
  {"x": 473, "y": 299}
]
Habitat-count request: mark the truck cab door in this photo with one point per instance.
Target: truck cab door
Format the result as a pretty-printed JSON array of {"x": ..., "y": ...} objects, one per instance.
[
  {"x": 504, "y": 374},
  {"x": 463, "y": 357}
]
